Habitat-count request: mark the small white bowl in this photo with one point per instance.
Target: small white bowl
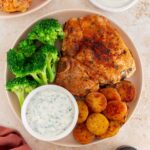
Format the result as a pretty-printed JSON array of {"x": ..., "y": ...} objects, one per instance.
[
  {"x": 53, "y": 88},
  {"x": 113, "y": 9}
]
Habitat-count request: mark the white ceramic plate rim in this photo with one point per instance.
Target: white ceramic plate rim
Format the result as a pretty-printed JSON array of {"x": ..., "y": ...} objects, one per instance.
[
  {"x": 85, "y": 11},
  {"x": 20, "y": 14},
  {"x": 111, "y": 9}
]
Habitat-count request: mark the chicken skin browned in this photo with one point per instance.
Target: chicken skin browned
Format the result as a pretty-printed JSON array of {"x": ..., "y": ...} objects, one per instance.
[
  {"x": 97, "y": 46},
  {"x": 14, "y": 5}
]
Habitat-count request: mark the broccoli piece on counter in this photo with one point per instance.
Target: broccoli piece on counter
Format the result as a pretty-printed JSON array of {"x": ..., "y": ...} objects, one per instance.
[
  {"x": 27, "y": 47},
  {"x": 47, "y": 31},
  {"x": 21, "y": 87},
  {"x": 51, "y": 58}
]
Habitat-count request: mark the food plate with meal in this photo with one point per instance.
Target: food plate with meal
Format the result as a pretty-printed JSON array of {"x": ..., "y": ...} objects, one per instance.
[
  {"x": 88, "y": 55},
  {"x": 16, "y": 8}
]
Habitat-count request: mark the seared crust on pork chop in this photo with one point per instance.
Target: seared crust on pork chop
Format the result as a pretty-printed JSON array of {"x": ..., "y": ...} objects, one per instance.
[
  {"x": 98, "y": 47},
  {"x": 72, "y": 75}
]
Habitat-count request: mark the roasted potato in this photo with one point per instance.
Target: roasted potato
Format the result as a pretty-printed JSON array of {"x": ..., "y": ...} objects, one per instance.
[
  {"x": 126, "y": 90},
  {"x": 97, "y": 123},
  {"x": 116, "y": 110},
  {"x": 113, "y": 129},
  {"x": 82, "y": 134},
  {"x": 123, "y": 120},
  {"x": 96, "y": 102},
  {"x": 111, "y": 94},
  {"x": 83, "y": 111}
]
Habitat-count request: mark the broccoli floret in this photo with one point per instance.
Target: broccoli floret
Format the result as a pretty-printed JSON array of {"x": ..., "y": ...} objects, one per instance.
[
  {"x": 21, "y": 87},
  {"x": 27, "y": 47},
  {"x": 47, "y": 31},
  {"x": 15, "y": 61},
  {"x": 36, "y": 67},
  {"x": 51, "y": 58}
]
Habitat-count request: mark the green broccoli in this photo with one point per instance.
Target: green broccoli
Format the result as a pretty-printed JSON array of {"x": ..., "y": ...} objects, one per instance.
[
  {"x": 36, "y": 67},
  {"x": 28, "y": 60},
  {"x": 47, "y": 31},
  {"x": 27, "y": 47},
  {"x": 15, "y": 61},
  {"x": 52, "y": 58},
  {"x": 21, "y": 87}
]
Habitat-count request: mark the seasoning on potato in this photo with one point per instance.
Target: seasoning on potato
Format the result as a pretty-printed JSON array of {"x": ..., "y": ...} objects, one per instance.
[
  {"x": 124, "y": 119},
  {"x": 83, "y": 111},
  {"x": 113, "y": 129},
  {"x": 97, "y": 123},
  {"x": 96, "y": 102},
  {"x": 82, "y": 134},
  {"x": 126, "y": 90},
  {"x": 111, "y": 94},
  {"x": 116, "y": 110}
]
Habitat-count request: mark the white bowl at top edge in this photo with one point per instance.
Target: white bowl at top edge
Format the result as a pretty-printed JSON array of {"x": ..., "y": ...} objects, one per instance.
[
  {"x": 63, "y": 16},
  {"x": 36, "y": 5},
  {"x": 114, "y": 9},
  {"x": 56, "y": 89}
]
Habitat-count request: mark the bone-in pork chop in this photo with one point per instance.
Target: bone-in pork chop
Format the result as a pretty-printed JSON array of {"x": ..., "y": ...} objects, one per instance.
[{"x": 97, "y": 46}]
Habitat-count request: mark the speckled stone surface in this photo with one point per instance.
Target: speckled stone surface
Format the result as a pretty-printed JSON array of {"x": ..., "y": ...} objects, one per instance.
[{"x": 136, "y": 22}]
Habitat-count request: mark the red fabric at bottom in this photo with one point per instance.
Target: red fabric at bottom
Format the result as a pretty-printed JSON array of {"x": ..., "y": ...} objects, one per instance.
[{"x": 11, "y": 140}]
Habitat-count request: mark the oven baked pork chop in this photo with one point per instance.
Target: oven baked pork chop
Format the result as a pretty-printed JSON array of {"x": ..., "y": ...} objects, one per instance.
[
  {"x": 98, "y": 47},
  {"x": 71, "y": 74}
]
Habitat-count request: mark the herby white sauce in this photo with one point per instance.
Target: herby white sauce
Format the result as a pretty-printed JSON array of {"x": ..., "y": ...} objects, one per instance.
[
  {"x": 49, "y": 113},
  {"x": 113, "y": 3}
]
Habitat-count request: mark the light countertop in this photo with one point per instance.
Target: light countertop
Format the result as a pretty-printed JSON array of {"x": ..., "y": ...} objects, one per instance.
[{"x": 136, "y": 22}]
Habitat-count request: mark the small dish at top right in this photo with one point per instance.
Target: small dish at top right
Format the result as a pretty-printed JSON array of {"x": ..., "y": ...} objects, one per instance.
[{"x": 114, "y": 5}]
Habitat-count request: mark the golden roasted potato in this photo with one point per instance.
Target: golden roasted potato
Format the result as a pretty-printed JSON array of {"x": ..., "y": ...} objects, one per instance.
[
  {"x": 123, "y": 120},
  {"x": 83, "y": 111},
  {"x": 116, "y": 110},
  {"x": 82, "y": 134},
  {"x": 97, "y": 123},
  {"x": 96, "y": 102},
  {"x": 111, "y": 94},
  {"x": 113, "y": 129},
  {"x": 126, "y": 90}
]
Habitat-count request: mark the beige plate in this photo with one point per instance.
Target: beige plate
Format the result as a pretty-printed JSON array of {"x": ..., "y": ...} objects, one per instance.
[
  {"x": 63, "y": 16},
  {"x": 36, "y": 4}
]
